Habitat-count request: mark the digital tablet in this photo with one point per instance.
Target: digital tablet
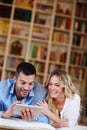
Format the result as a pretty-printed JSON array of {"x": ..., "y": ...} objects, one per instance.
[{"x": 19, "y": 107}]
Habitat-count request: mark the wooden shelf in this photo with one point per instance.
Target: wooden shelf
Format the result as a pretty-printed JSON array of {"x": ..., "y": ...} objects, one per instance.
[{"x": 56, "y": 26}]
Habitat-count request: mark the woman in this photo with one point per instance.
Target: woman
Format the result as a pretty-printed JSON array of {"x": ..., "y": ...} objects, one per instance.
[{"x": 62, "y": 105}]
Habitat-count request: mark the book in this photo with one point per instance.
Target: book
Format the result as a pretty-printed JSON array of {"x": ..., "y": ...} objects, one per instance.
[
  {"x": 21, "y": 14},
  {"x": 33, "y": 51},
  {"x": 24, "y": 3},
  {"x": 19, "y": 107},
  {"x": 78, "y": 9}
]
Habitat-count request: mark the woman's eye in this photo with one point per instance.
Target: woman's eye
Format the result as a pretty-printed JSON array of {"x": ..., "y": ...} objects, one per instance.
[
  {"x": 57, "y": 85},
  {"x": 50, "y": 83}
]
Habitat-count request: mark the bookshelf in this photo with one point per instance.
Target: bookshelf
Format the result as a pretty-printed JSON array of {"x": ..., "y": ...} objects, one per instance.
[
  {"x": 84, "y": 112},
  {"x": 47, "y": 33}
]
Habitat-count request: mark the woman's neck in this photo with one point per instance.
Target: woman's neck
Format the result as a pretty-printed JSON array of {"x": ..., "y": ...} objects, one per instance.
[
  {"x": 60, "y": 99},
  {"x": 59, "y": 102}
]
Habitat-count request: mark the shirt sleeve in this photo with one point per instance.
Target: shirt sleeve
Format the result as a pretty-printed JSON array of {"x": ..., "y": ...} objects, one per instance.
[
  {"x": 74, "y": 111},
  {"x": 42, "y": 118},
  {"x": 1, "y": 108}
]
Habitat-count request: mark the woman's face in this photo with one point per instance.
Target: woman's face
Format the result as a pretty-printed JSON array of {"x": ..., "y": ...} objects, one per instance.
[{"x": 55, "y": 87}]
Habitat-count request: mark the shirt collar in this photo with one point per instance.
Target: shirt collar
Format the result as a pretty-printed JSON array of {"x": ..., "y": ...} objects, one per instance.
[
  {"x": 11, "y": 91},
  {"x": 31, "y": 94}
]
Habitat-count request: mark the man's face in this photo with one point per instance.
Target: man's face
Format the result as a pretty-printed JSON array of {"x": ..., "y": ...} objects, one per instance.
[{"x": 24, "y": 84}]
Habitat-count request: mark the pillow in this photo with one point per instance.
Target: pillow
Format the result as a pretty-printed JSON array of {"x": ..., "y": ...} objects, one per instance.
[
  {"x": 19, "y": 124},
  {"x": 78, "y": 127}
]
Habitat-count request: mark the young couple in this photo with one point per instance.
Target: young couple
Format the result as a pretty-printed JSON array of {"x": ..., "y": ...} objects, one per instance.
[{"x": 59, "y": 98}]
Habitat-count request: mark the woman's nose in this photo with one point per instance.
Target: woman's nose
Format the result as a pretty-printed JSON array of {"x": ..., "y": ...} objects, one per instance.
[{"x": 52, "y": 86}]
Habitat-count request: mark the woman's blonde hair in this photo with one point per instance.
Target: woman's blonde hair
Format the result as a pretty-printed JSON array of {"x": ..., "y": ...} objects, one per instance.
[{"x": 69, "y": 88}]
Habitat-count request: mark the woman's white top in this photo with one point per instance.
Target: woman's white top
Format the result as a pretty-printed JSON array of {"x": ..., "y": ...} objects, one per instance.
[{"x": 71, "y": 110}]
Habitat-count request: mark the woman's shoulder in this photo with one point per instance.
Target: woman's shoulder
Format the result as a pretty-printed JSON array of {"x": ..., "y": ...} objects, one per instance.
[{"x": 76, "y": 98}]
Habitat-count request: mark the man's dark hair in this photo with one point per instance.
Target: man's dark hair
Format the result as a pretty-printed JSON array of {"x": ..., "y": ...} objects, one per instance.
[{"x": 25, "y": 67}]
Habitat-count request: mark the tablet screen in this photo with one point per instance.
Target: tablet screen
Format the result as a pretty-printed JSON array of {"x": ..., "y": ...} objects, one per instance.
[{"x": 19, "y": 107}]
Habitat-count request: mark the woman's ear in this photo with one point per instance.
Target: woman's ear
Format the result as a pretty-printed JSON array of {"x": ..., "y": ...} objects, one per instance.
[{"x": 64, "y": 88}]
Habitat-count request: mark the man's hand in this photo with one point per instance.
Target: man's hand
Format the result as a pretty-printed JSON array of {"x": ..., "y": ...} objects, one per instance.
[
  {"x": 9, "y": 112},
  {"x": 27, "y": 114}
]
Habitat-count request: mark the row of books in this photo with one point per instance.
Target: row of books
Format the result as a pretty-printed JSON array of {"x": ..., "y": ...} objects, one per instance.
[
  {"x": 7, "y": 1},
  {"x": 44, "y": 7},
  {"x": 2, "y": 47},
  {"x": 1, "y": 61},
  {"x": 76, "y": 73},
  {"x": 22, "y": 14},
  {"x": 46, "y": 1},
  {"x": 39, "y": 52},
  {"x": 80, "y": 26},
  {"x": 18, "y": 29},
  {"x": 40, "y": 67},
  {"x": 4, "y": 26},
  {"x": 13, "y": 62},
  {"x": 54, "y": 67},
  {"x": 79, "y": 40},
  {"x": 24, "y": 3},
  {"x": 60, "y": 57},
  {"x": 62, "y": 23},
  {"x": 63, "y": 8},
  {"x": 9, "y": 74},
  {"x": 5, "y": 11},
  {"x": 40, "y": 33},
  {"x": 60, "y": 37},
  {"x": 42, "y": 19},
  {"x": 78, "y": 58},
  {"x": 39, "y": 78},
  {"x": 81, "y": 10}
]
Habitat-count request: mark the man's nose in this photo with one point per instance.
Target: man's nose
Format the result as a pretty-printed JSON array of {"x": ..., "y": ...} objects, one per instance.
[{"x": 27, "y": 86}]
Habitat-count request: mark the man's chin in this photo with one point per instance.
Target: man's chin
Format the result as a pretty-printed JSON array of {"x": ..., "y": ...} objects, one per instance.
[{"x": 24, "y": 95}]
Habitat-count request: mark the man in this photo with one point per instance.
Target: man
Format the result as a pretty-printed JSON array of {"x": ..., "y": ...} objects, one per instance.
[{"x": 21, "y": 89}]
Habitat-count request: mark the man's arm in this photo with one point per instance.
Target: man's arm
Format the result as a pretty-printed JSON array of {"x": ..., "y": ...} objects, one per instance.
[{"x": 9, "y": 112}]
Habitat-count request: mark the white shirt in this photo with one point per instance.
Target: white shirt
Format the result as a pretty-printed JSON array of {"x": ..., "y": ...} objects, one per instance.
[{"x": 71, "y": 110}]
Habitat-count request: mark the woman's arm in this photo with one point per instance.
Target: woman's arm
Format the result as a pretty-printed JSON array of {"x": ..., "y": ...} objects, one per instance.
[
  {"x": 73, "y": 111},
  {"x": 56, "y": 121}
]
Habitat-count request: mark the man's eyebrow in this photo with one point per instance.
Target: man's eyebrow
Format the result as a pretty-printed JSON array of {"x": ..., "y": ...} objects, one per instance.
[
  {"x": 22, "y": 80},
  {"x": 31, "y": 82},
  {"x": 26, "y": 82}
]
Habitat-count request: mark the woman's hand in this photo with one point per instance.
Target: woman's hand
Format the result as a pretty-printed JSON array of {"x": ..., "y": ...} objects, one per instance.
[
  {"x": 62, "y": 123},
  {"x": 44, "y": 105}
]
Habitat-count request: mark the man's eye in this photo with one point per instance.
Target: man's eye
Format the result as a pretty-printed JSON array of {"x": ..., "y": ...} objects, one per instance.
[
  {"x": 31, "y": 83},
  {"x": 22, "y": 82}
]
